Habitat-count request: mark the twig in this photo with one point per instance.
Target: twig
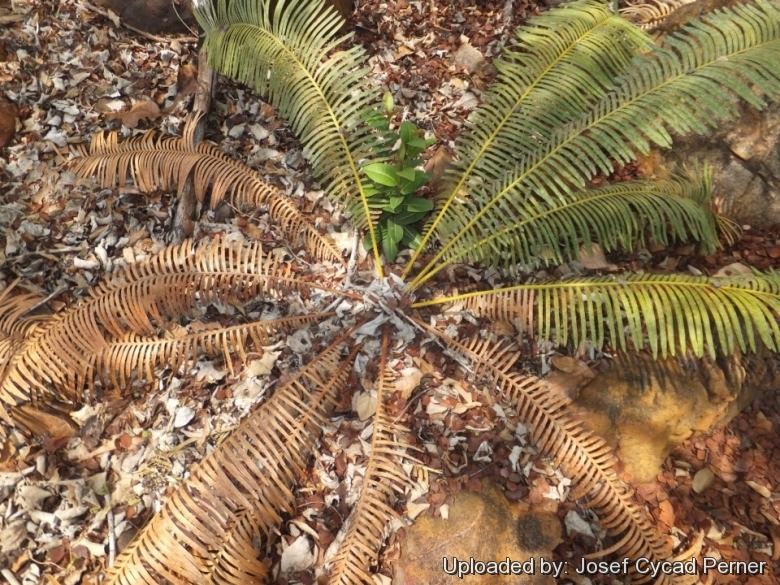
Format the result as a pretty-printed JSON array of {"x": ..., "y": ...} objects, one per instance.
[
  {"x": 186, "y": 210},
  {"x": 92, "y": 8},
  {"x": 65, "y": 250},
  {"x": 352, "y": 264},
  {"x": 111, "y": 531},
  {"x": 59, "y": 290},
  {"x": 508, "y": 11},
  {"x": 181, "y": 20}
]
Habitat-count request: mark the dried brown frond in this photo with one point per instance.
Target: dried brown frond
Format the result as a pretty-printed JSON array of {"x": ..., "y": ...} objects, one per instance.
[
  {"x": 15, "y": 318},
  {"x": 139, "y": 356},
  {"x": 581, "y": 455},
  {"x": 205, "y": 532},
  {"x": 384, "y": 481},
  {"x": 120, "y": 330},
  {"x": 15, "y": 326},
  {"x": 154, "y": 161},
  {"x": 649, "y": 14},
  {"x": 515, "y": 305}
]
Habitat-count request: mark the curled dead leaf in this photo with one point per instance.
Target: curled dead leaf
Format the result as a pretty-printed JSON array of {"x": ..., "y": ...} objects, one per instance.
[
  {"x": 565, "y": 363},
  {"x": 594, "y": 259},
  {"x": 759, "y": 489},
  {"x": 141, "y": 110},
  {"x": 8, "y": 114},
  {"x": 409, "y": 380},
  {"x": 437, "y": 164}
]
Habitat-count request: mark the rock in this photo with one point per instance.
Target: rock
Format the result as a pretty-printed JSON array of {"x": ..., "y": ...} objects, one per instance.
[
  {"x": 745, "y": 160},
  {"x": 744, "y": 154},
  {"x": 484, "y": 526},
  {"x": 645, "y": 408},
  {"x": 157, "y": 17},
  {"x": 174, "y": 16}
]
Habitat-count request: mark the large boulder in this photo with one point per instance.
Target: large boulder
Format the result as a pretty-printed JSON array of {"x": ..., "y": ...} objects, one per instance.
[
  {"x": 745, "y": 159},
  {"x": 482, "y": 527},
  {"x": 158, "y": 17},
  {"x": 645, "y": 408},
  {"x": 175, "y": 16},
  {"x": 744, "y": 154}
]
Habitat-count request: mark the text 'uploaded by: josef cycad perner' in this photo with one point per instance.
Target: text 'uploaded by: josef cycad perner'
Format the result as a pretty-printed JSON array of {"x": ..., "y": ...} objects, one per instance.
[{"x": 541, "y": 566}]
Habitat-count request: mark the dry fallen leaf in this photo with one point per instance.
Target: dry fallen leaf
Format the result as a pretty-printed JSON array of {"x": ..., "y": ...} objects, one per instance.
[
  {"x": 775, "y": 543},
  {"x": 53, "y": 424},
  {"x": 409, "y": 380},
  {"x": 187, "y": 78},
  {"x": 364, "y": 404},
  {"x": 108, "y": 105},
  {"x": 403, "y": 51},
  {"x": 264, "y": 365},
  {"x": 8, "y": 115},
  {"x": 760, "y": 489},
  {"x": 595, "y": 259},
  {"x": 141, "y": 110},
  {"x": 666, "y": 512},
  {"x": 437, "y": 164},
  {"x": 298, "y": 556},
  {"x": 7, "y": 452},
  {"x": 114, "y": 17},
  {"x": 565, "y": 363},
  {"x": 734, "y": 269}
]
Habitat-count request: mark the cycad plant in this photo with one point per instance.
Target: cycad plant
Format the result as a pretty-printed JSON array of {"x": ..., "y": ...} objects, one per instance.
[{"x": 579, "y": 91}]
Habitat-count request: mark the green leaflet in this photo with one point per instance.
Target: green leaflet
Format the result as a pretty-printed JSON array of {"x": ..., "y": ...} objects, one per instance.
[
  {"x": 667, "y": 313},
  {"x": 685, "y": 86},
  {"x": 564, "y": 61},
  {"x": 615, "y": 217},
  {"x": 322, "y": 92}
]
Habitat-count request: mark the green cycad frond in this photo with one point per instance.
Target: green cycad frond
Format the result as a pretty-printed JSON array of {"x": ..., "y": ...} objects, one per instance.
[
  {"x": 207, "y": 530},
  {"x": 155, "y": 161},
  {"x": 565, "y": 60},
  {"x": 118, "y": 327},
  {"x": 669, "y": 313},
  {"x": 615, "y": 216},
  {"x": 323, "y": 93},
  {"x": 384, "y": 480},
  {"x": 688, "y": 85}
]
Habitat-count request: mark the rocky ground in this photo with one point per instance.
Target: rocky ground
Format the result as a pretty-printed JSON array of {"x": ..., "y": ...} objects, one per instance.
[{"x": 66, "y": 72}]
